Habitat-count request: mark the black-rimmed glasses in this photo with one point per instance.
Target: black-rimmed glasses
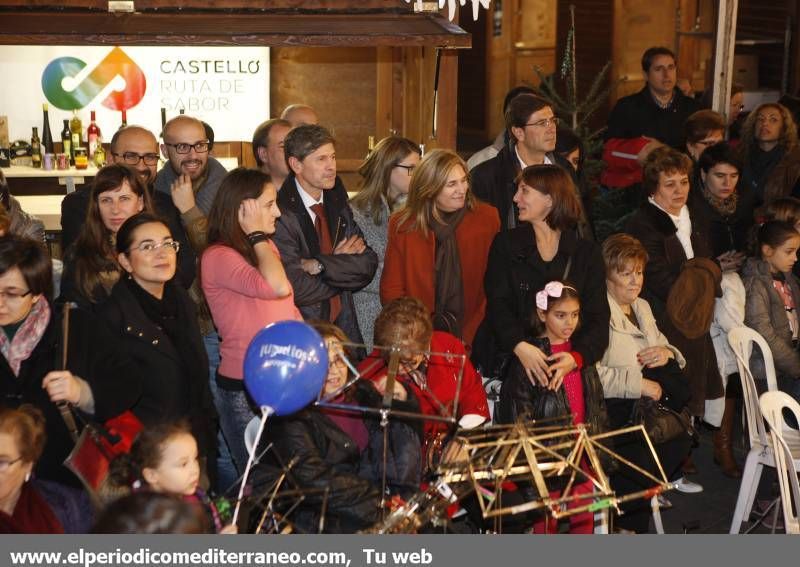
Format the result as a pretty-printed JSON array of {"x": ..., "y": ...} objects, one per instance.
[
  {"x": 409, "y": 168},
  {"x": 132, "y": 158},
  {"x": 200, "y": 147}
]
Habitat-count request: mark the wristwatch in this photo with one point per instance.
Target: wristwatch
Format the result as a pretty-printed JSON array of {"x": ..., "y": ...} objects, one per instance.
[{"x": 320, "y": 267}]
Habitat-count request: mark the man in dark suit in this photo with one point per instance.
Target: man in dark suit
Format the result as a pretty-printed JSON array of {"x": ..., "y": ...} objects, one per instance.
[{"x": 321, "y": 246}]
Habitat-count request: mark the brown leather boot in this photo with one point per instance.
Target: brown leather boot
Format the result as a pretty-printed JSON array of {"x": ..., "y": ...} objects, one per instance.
[{"x": 723, "y": 450}]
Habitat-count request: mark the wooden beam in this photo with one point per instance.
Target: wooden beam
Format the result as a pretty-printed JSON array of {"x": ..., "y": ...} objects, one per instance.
[
  {"x": 210, "y": 28},
  {"x": 723, "y": 55}
]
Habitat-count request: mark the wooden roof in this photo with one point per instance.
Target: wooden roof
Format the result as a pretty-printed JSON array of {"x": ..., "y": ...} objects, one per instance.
[{"x": 297, "y": 23}]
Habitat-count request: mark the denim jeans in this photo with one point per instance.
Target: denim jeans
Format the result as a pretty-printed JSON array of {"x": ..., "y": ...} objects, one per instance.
[
  {"x": 235, "y": 413},
  {"x": 226, "y": 470}
]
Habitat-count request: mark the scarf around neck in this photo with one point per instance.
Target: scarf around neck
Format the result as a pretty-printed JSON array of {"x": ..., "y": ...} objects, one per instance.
[
  {"x": 448, "y": 313},
  {"x": 27, "y": 337},
  {"x": 725, "y": 207}
]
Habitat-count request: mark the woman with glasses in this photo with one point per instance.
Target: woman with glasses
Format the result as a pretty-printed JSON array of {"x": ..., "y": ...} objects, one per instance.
[
  {"x": 90, "y": 265},
  {"x": 386, "y": 176},
  {"x": 770, "y": 153},
  {"x": 100, "y": 381},
  {"x": 342, "y": 451},
  {"x": 155, "y": 321},
  {"x": 246, "y": 288},
  {"x": 30, "y": 505},
  {"x": 438, "y": 246}
]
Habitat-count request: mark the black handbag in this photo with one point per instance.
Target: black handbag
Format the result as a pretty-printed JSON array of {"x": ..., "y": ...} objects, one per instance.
[{"x": 661, "y": 423}]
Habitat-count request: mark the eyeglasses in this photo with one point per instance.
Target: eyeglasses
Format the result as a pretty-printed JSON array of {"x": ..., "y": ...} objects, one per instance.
[
  {"x": 200, "y": 147},
  {"x": 149, "y": 247},
  {"x": 544, "y": 123},
  {"x": 409, "y": 168},
  {"x": 7, "y": 295},
  {"x": 5, "y": 463},
  {"x": 132, "y": 158}
]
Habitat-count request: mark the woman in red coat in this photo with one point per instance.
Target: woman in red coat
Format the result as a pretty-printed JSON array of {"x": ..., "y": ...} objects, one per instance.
[{"x": 439, "y": 245}]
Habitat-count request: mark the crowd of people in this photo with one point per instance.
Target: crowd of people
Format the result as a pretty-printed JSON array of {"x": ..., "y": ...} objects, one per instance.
[{"x": 437, "y": 275}]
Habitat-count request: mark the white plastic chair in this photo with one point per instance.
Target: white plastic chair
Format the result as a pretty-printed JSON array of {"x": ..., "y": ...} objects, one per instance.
[
  {"x": 250, "y": 433},
  {"x": 787, "y": 459},
  {"x": 741, "y": 340}
]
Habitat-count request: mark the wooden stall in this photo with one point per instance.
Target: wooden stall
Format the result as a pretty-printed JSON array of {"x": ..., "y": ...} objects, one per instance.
[{"x": 367, "y": 66}]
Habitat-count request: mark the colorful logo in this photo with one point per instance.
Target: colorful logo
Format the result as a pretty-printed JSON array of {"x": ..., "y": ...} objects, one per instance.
[{"x": 117, "y": 62}]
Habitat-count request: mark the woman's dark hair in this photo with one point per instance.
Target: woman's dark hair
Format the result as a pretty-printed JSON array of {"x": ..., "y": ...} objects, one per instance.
[
  {"x": 569, "y": 291},
  {"x": 151, "y": 513},
  {"x": 701, "y": 123},
  {"x": 784, "y": 209},
  {"x": 93, "y": 250},
  {"x": 146, "y": 453},
  {"x": 554, "y": 180},
  {"x": 26, "y": 425},
  {"x": 31, "y": 258},
  {"x": 774, "y": 234},
  {"x": 125, "y": 232},
  {"x": 717, "y": 154},
  {"x": 663, "y": 160},
  {"x": 567, "y": 141},
  {"x": 223, "y": 219}
]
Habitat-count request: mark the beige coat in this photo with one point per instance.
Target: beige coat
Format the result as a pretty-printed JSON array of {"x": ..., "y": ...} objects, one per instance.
[{"x": 620, "y": 372}]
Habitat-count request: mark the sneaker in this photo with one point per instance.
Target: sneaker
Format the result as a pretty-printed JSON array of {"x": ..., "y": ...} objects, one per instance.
[
  {"x": 687, "y": 486},
  {"x": 663, "y": 502}
]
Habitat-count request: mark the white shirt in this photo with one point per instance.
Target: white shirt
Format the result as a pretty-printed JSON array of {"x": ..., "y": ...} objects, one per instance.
[
  {"x": 523, "y": 165},
  {"x": 684, "y": 225},
  {"x": 309, "y": 201}
]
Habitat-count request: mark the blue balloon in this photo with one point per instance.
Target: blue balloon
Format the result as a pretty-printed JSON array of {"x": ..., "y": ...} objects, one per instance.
[{"x": 285, "y": 366}]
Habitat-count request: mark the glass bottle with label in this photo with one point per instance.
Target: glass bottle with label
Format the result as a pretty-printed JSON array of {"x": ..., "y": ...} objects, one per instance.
[
  {"x": 36, "y": 149},
  {"x": 76, "y": 131},
  {"x": 92, "y": 136},
  {"x": 99, "y": 156},
  {"x": 47, "y": 136},
  {"x": 66, "y": 142}
]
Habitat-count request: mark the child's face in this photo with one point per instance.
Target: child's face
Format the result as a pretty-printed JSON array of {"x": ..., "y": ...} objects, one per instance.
[
  {"x": 783, "y": 257},
  {"x": 178, "y": 472},
  {"x": 561, "y": 319}
]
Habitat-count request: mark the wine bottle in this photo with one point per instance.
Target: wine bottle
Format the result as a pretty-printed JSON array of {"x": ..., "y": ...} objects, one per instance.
[
  {"x": 124, "y": 119},
  {"x": 36, "y": 149},
  {"x": 99, "y": 156},
  {"x": 92, "y": 136},
  {"x": 76, "y": 132},
  {"x": 66, "y": 142},
  {"x": 47, "y": 136}
]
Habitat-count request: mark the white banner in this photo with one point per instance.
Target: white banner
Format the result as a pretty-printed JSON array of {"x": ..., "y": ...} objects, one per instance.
[{"x": 227, "y": 87}]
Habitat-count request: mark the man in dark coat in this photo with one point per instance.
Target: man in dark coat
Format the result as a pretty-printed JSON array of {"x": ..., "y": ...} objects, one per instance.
[
  {"x": 324, "y": 254},
  {"x": 531, "y": 125},
  {"x": 137, "y": 148}
]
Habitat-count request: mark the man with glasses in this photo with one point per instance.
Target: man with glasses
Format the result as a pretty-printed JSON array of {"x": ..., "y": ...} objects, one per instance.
[
  {"x": 531, "y": 125},
  {"x": 137, "y": 148}
]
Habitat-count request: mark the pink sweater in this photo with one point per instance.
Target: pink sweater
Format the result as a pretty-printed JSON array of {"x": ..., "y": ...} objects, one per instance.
[{"x": 241, "y": 303}]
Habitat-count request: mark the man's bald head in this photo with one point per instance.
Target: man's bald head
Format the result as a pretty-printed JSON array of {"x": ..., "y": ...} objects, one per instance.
[
  {"x": 186, "y": 131},
  {"x": 299, "y": 114},
  {"x": 139, "y": 144}
]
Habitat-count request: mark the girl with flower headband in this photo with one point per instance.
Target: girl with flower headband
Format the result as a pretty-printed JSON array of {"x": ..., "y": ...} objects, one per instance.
[
  {"x": 164, "y": 459},
  {"x": 555, "y": 319}
]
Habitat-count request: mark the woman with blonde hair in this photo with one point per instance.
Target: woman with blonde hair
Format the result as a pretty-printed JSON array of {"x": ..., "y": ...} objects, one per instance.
[
  {"x": 439, "y": 245},
  {"x": 386, "y": 176},
  {"x": 770, "y": 153}
]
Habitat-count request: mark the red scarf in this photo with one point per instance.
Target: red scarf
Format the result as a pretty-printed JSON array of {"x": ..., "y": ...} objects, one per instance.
[{"x": 32, "y": 515}]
